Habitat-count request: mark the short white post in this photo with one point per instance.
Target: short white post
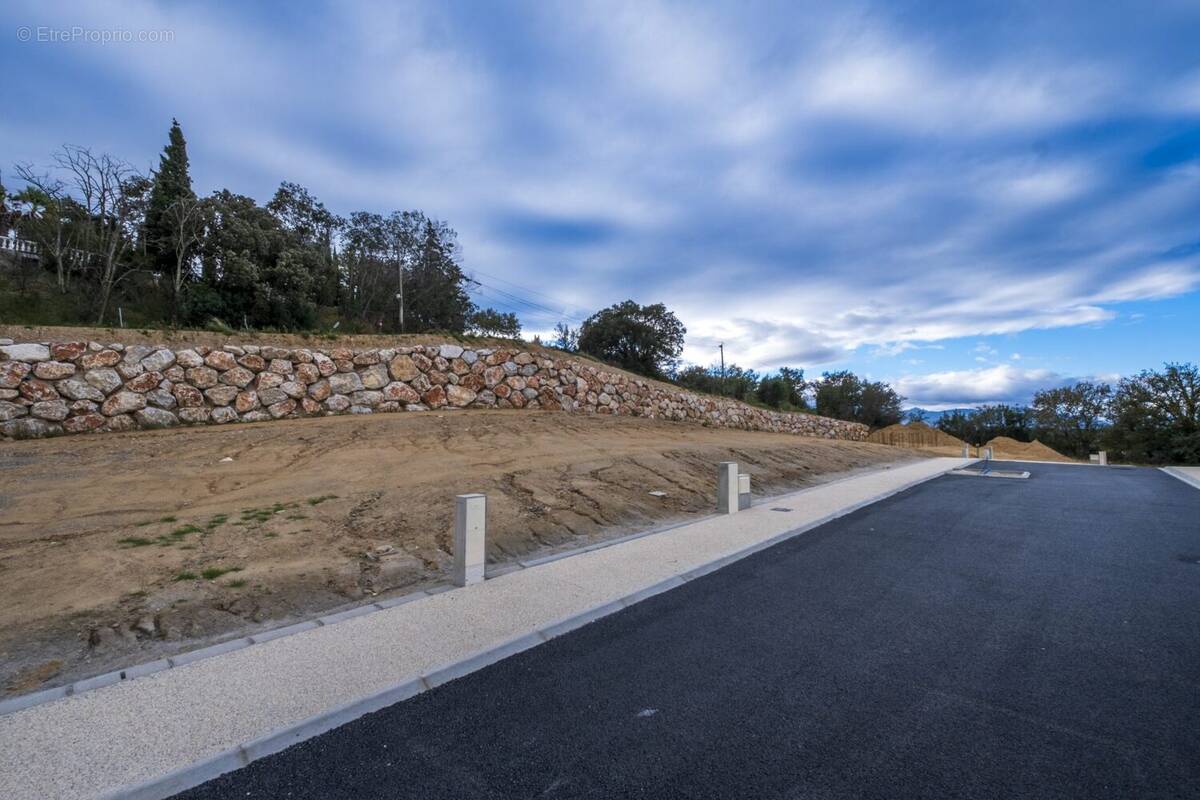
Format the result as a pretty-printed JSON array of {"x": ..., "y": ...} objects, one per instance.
[
  {"x": 470, "y": 531},
  {"x": 1104, "y": 458},
  {"x": 966, "y": 452},
  {"x": 987, "y": 454},
  {"x": 727, "y": 487}
]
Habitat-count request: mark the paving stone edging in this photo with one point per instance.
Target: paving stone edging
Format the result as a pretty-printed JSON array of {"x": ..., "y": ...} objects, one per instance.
[{"x": 235, "y": 758}]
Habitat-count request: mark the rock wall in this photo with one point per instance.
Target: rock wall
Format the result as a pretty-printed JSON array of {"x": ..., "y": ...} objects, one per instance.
[{"x": 52, "y": 388}]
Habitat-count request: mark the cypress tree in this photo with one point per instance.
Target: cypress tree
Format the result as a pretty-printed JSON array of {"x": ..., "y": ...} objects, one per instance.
[{"x": 171, "y": 182}]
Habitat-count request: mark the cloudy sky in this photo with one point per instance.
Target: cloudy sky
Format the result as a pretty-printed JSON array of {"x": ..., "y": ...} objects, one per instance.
[{"x": 968, "y": 200}]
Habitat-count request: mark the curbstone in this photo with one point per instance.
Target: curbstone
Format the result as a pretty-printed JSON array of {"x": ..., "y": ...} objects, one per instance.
[
  {"x": 192, "y": 656},
  {"x": 279, "y": 633},
  {"x": 149, "y": 668},
  {"x": 34, "y": 699},
  {"x": 392, "y": 602},
  {"x": 349, "y": 613},
  {"x": 579, "y": 620},
  {"x": 276, "y": 741},
  {"x": 181, "y": 779},
  {"x": 650, "y": 591},
  {"x": 97, "y": 682},
  {"x": 480, "y": 660}
]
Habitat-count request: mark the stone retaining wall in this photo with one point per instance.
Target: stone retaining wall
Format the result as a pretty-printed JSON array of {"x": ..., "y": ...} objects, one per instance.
[{"x": 47, "y": 389}]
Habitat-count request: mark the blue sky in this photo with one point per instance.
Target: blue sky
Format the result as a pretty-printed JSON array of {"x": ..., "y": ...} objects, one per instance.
[{"x": 970, "y": 201}]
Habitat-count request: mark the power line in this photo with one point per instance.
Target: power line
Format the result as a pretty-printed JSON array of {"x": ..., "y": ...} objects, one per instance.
[
  {"x": 486, "y": 293},
  {"x": 528, "y": 306},
  {"x": 515, "y": 285}
]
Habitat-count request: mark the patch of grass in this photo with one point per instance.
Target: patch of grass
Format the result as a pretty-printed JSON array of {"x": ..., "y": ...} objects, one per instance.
[
  {"x": 145, "y": 523},
  {"x": 184, "y": 530},
  {"x": 316, "y": 501},
  {"x": 297, "y": 515},
  {"x": 216, "y": 521},
  {"x": 237, "y": 584},
  {"x": 169, "y": 518},
  {"x": 185, "y": 576},
  {"x": 212, "y": 573},
  {"x": 135, "y": 541},
  {"x": 270, "y": 535}
]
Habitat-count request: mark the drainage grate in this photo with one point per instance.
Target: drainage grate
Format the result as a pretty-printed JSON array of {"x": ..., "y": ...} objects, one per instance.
[
  {"x": 778, "y": 508},
  {"x": 1189, "y": 558}
]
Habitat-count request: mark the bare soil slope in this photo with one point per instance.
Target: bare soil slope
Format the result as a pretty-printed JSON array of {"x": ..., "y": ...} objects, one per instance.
[{"x": 112, "y": 547}]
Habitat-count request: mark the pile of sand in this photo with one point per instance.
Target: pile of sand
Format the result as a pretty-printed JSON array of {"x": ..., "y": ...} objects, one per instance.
[
  {"x": 917, "y": 435},
  {"x": 1005, "y": 448}
]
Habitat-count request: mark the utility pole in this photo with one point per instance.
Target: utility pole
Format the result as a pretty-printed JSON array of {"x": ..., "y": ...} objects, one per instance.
[
  {"x": 721, "y": 346},
  {"x": 400, "y": 293}
]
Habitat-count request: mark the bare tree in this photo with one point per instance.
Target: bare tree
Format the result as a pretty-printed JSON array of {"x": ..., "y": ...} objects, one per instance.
[
  {"x": 184, "y": 220},
  {"x": 49, "y": 213},
  {"x": 113, "y": 196}
]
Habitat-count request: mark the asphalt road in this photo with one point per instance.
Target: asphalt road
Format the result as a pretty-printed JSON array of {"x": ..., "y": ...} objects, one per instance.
[{"x": 971, "y": 637}]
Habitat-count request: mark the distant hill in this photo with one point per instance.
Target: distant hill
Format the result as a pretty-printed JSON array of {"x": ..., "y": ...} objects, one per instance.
[{"x": 932, "y": 417}]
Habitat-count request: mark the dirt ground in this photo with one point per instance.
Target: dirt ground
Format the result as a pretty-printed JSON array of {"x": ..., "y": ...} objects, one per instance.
[{"x": 120, "y": 548}]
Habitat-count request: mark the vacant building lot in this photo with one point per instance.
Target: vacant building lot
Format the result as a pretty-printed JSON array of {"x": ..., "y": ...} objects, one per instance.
[{"x": 120, "y": 548}]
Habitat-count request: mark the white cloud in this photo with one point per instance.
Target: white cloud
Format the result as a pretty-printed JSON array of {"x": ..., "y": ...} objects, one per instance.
[{"x": 1003, "y": 383}]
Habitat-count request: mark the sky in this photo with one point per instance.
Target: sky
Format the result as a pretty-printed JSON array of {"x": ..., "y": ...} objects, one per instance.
[{"x": 970, "y": 201}]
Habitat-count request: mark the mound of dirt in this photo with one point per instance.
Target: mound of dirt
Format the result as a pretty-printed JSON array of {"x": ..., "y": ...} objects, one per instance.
[
  {"x": 918, "y": 436},
  {"x": 1005, "y": 448}
]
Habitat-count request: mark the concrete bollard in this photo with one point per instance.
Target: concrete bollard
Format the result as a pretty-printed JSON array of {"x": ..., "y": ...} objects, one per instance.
[
  {"x": 727, "y": 487},
  {"x": 470, "y": 532},
  {"x": 966, "y": 452},
  {"x": 1104, "y": 458},
  {"x": 987, "y": 454},
  {"x": 743, "y": 491}
]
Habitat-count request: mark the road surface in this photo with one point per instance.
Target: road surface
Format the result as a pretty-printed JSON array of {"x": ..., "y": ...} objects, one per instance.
[{"x": 971, "y": 637}]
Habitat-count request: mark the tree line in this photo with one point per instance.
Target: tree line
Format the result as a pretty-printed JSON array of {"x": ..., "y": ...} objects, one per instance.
[
  {"x": 1149, "y": 418},
  {"x": 109, "y": 234},
  {"x": 649, "y": 340}
]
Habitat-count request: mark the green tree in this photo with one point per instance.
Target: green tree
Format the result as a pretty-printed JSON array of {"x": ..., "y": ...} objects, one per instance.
[
  {"x": 1156, "y": 417},
  {"x": 490, "y": 322},
  {"x": 796, "y": 387},
  {"x": 256, "y": 277},
  {"x": 844, "y": 395},
  {"x": 565, "y": 338},
  {"x": 313, "y": 229},
  {"x": 1070, "y": 418},
  {"x": 644, "y": 339},
  {"x": 437, "y": 286},
  {"x": 170, "y": 192}
]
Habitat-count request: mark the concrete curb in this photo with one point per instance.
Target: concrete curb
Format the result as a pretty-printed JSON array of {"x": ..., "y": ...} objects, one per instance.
[
  {"x": 227, "y": 761},
  {"x": 1180, "y": 475}
]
